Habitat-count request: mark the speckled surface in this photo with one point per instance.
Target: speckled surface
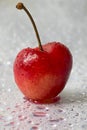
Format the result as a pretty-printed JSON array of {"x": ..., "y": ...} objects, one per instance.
[{"x": 57, "y": 20}]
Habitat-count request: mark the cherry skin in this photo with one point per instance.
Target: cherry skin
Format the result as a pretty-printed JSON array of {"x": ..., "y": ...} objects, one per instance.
[{"x": 41, "y": 73}]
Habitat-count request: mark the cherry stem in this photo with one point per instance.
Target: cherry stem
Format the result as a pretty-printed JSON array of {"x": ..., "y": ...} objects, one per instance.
[{"x": 20, "y": 6}]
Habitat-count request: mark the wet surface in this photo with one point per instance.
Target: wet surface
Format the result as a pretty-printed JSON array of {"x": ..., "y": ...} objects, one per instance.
[{"x": 68, "y": 25}]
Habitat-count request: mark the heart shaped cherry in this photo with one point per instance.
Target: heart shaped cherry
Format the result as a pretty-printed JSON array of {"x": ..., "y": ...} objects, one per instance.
[{"x": 42, "y": 72}]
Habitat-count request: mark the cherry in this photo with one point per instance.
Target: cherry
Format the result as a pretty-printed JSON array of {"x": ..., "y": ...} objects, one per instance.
[{"x": 41, "y": 73}]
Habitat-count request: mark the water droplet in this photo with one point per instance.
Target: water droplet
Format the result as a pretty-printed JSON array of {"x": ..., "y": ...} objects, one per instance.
[
  {"x": 56, "y": 120},
  {"x": 8, "y": 108},
  {"x": 8, "y": 63},
  {"x": 9, "y": 90},
  {"x": 10, "y": 123},
  {"x": 34, "y": 128},
  {"x": 30, "y": 121},
  {"x": 17, "y": 106},
  {"x": 37, "y": 124},
  {"x": 47, "y": 109},
  {"x": 22, "y": 118},
  {"x": 70, "y": 124},
  {"x": 13, "y": 111},
  {"x": 41, "y": 107},
  {"x": 39, "y": 114},
  {"x": 77, "y": 114},
  {"x": 54, "y": 125},
  {"x": 72, "y": 109},
  {"x": 60, "y": 110}
]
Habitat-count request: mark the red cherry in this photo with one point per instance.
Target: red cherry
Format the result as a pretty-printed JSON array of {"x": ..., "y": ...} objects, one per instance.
[{"x": 41, "y": 73}]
